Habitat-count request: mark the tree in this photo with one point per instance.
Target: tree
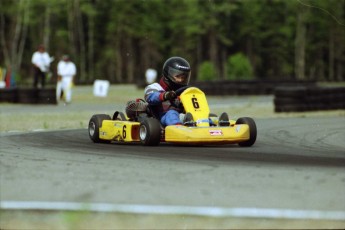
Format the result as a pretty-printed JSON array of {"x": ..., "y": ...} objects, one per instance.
[
  {"x": 239, "y": 67},
  {"x": 207, "y": 71},
  {"x": 300, "y": 44},
  {"x": 119, "y": 39},
  {"x": 14, "y": 29},
  {"x": 325, "y": 38}
]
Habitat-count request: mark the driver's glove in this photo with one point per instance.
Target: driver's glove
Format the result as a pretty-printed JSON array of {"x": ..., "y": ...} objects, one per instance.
[
  {"x": 177, "y": 105},
  {"x": 169, "y": 95}
]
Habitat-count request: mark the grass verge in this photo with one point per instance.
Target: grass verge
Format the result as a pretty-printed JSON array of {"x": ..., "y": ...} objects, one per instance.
[{"x": 99, "y": 220}]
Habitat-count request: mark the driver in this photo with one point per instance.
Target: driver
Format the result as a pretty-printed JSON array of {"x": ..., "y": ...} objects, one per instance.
[{"x": 161, "y": 96}]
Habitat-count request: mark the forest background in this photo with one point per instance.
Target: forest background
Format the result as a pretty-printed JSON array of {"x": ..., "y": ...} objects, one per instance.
[{"x": 118, "y": 40}]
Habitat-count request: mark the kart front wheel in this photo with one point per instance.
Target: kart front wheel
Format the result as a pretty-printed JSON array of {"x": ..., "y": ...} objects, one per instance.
[
  {"x": 150, "y": 132},
  {"x": 252, "y": 131},
  {"x": 95, "y": 124}
]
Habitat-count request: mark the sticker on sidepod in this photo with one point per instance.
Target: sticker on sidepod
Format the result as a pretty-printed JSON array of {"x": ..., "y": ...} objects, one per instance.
[
  {"x": 202, "y": 121},
  {"x": 117, "y": 125},
  {"x": 238, "y": 128},
  {"x": 188, "y": 129},
  {"x": 217, "y": 132}
]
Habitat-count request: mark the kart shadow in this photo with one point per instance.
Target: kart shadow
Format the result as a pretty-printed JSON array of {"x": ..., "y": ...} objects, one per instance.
[
  {"x": 258, "y": 154},
  {"x": 75, "y": 141}
]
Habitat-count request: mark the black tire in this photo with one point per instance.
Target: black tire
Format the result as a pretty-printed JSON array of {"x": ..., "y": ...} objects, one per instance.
[
  {"x": 224, "y": 120},
  {"x": 291, "y": 108},
  {"x": 287, "y": 101},
  {"x": 95, "y": 124},
  {"x": 294, "y": 92},
  {"x": 252, "y": 130},
  {"x": 150, "y": 132},
  {"x": 119, "y": 116},
  {"x": 8, "y": 95},
  {"x": 47, "y": 96},
  {"x": 27, "y": 96}
]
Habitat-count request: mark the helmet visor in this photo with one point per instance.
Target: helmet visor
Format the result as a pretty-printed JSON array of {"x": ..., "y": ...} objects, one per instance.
[{"x": 178, "y": 76}]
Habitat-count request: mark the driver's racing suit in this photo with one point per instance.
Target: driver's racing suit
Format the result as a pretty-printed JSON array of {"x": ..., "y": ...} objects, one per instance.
[{"x": 165, "y": 111}]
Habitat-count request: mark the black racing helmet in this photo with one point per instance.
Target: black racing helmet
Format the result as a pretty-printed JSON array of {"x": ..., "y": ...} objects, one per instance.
[{"x": 176, "y": 72}]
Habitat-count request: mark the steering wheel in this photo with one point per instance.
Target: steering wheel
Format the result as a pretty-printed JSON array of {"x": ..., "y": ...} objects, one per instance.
[{"x": 180, "y": 90}]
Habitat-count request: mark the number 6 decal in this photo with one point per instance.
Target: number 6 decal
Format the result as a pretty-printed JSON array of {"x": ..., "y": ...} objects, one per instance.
[
  {"x": 124, "y": 132},
  {"x": 195, "y": 103}
]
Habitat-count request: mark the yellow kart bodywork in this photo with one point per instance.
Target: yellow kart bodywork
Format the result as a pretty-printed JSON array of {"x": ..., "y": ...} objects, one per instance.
[
  {"x": 127, "y": 131},
  {"x": 195, "y": 103},
  {"x": 207, "y": 135}
]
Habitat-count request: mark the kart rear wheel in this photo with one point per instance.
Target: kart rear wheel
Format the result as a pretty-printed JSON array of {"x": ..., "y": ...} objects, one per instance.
[
  {"x": 95, "y": 124},
  {"x": 150, "y": 132},
  {"x": 252, "y": 130}
]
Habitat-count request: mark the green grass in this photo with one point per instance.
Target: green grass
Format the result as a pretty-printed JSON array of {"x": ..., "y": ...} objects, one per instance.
[{"x": 102, "y": 220}]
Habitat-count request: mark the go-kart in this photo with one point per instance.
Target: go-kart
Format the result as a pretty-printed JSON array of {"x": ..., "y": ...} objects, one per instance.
[{"x": 199, "y": 126}]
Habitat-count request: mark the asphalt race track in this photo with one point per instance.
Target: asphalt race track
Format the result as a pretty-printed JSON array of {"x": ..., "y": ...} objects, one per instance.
[{"x": 296, "y": 163}]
